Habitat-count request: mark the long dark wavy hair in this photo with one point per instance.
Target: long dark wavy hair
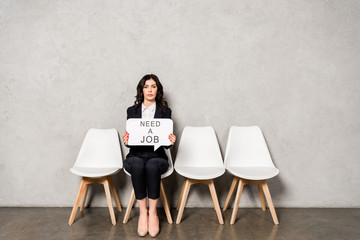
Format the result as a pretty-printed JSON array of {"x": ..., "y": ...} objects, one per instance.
[{"x": 159, "y": 96}]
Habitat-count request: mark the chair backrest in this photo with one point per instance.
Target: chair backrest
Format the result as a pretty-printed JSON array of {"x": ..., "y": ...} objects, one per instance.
[
  {"x": 198, "y": 148},
  {"x": 246, "y": 147},
  {"x": 100, "y": 149}
]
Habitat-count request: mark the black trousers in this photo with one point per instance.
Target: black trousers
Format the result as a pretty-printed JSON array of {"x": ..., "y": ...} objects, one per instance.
[{"x": 146, "y": 169}]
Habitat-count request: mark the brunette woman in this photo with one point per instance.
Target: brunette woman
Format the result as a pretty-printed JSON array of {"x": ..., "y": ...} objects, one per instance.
[{"x": 143, "y": 163}]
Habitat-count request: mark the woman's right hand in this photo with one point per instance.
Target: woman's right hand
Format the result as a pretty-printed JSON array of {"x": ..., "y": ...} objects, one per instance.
[{"x": 126, "y": 138}]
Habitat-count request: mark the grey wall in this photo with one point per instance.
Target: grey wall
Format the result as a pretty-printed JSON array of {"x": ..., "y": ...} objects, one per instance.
[{"x": 290, "y": 67}]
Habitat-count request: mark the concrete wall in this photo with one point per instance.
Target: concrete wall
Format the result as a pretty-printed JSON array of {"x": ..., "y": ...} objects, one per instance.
[{"x": 290, "y": 67}]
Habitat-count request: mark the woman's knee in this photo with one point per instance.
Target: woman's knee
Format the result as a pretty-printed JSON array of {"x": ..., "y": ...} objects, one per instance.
[
  {"x": 134, "y": 164},
  {"x": 157, "y": 165}
]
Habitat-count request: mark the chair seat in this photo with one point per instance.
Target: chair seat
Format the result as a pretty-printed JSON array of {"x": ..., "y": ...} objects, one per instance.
[
  {"x": 254, "y": 173},
  {"x": 167, "y": 173},
  {"x": 94, "y": 172},
  {"x": 200, "y": 173}
]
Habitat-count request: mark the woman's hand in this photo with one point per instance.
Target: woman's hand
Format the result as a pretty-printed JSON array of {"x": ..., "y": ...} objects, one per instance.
[
  {"x": 172, "y": 138},
  {"x": 126, "y": 138}
]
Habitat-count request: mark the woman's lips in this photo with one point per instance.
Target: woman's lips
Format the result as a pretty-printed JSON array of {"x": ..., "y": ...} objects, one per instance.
[{"x": 149, "y": 95}]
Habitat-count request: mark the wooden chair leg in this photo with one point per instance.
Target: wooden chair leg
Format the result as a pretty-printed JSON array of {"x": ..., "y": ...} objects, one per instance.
[
  {"x": 215, "y": 201},
  {"x": 212, "y": 196},
  {"x": 181, "y": 194},
  {"x": 231, "y": 191},
  {"x": 109, "y": 201},
  {"x": 129, "y": 206},
  {"x": 261, "y": 195},
  {"x": 84, "y": 197},
  {"x": 165, "y": 203},
  {"x": 77, "y": 201},
  {"x": 237, "y": 201},
  {"x": 270, "y": 203},
  {"x": 183, "y": 200},
  {"x": 113, "y": 190}
]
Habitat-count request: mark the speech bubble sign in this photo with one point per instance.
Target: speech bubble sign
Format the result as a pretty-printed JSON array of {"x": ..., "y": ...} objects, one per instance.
[{"x": 149, "y": 132}]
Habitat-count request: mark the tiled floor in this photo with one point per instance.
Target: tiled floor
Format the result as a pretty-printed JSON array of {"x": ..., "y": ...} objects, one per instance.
[{"x": 197, "y": 223}]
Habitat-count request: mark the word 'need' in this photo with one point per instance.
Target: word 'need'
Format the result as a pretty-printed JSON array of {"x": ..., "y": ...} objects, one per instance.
[{"x": 149, "y": 123}]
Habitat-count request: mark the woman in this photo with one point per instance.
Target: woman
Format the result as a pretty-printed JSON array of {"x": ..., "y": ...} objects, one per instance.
[{"x": 143, "y": 163}]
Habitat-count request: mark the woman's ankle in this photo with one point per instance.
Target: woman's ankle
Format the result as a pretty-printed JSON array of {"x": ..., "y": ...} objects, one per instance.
[
  {"x": 152, "y": 213},
  {"x": 144, "y": 213}
]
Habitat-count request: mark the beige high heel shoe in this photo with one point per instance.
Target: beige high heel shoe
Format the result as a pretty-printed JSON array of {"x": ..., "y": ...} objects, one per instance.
[
  {"x": 142, "y": 232},
  {"x": 153, "y": 232}
]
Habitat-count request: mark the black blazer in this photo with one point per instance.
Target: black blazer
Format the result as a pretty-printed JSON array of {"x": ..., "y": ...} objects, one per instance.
[{"x": 133, "y": 112}]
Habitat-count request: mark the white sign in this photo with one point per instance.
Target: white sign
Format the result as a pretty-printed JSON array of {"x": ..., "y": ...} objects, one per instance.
[{"x": 149, "y": 132}]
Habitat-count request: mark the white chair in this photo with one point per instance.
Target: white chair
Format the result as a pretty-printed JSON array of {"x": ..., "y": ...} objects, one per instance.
[
  {"x": 162, "y": 192},
  {"x": 199, "y": 160},
  {"x": 98, "y": 159},
  {"x": 248, "y": 159}
]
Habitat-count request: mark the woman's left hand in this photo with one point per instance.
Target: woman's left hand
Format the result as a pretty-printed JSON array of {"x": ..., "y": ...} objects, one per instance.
[{"x": 172, "y": 138}]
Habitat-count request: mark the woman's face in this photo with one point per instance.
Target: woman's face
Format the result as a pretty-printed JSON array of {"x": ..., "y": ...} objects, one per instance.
[{"x": 150, "y": 90}]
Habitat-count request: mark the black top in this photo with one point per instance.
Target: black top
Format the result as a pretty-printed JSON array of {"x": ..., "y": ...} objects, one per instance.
[{"x": 133, "y": 112}]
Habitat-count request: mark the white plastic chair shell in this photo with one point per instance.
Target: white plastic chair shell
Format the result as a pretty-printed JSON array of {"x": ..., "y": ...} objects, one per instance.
[
  {"x": 100, "y": 154},
  {"x": 247, "y": 155},
  {"x": 199, "y": 155}
]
